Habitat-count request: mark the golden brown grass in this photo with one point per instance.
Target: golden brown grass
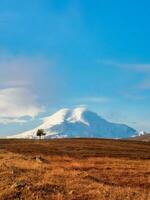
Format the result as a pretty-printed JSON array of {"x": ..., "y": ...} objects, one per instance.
[{"x": 77, "y": 169}]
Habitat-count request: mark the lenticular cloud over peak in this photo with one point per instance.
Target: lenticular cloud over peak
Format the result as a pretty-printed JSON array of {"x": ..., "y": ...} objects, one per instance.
[{"x": 17, "y": 102}]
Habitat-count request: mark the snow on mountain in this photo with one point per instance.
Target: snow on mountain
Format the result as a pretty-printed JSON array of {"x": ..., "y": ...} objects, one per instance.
[{"x": 78, "y": 122}]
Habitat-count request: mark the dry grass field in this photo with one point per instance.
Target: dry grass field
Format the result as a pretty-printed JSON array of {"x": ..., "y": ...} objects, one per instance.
[{"x": 74, "y": 169}]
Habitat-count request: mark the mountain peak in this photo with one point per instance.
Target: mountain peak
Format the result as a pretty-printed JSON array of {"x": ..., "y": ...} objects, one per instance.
[{"x": 69, "y": 115}]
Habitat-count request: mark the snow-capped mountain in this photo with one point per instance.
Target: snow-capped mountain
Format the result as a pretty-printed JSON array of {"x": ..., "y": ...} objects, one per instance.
[{"x": 79, "y": 122}]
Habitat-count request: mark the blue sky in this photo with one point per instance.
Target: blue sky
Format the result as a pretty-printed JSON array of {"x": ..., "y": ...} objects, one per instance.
[{"x": 56, "y": 54}]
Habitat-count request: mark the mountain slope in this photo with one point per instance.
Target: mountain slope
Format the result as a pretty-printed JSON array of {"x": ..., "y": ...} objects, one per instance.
[{"x": 79, "y": 122}]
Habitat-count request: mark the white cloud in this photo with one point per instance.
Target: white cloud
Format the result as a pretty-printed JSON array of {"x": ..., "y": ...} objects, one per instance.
[
  {"x": 17, "y": 102},
  {"x": 23, "y": 76},
  {"x": 6, "y": 121},
  {"x": 141, "y": 67}
]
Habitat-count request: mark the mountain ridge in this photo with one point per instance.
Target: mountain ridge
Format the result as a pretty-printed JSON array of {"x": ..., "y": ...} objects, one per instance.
[{"x": 79, "y": 122}]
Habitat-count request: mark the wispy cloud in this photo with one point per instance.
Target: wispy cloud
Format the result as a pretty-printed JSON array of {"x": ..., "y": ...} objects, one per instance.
[
  {"x": 141, "y": 67},
  {"x": 17, "y": 99},
  {"x": 36, "y": 72},
  {"x": 24, "y": 82},
  {"x": 17, "y": 70},
  {"x": 15, "y": 83},
  {"x": 16, "y": 103},
  {"x": 145, "y": 85},
  {"x": 7, "y": 121}
]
